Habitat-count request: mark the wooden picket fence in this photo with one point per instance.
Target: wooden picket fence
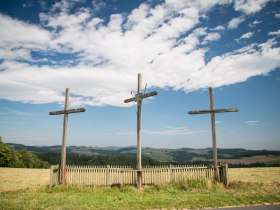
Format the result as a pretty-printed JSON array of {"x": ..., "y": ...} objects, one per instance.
[{"x": 124, "y": 175}]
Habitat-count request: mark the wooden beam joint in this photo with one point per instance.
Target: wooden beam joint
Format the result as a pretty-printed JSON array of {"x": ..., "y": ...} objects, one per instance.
[{"x": 140, "y": 96}]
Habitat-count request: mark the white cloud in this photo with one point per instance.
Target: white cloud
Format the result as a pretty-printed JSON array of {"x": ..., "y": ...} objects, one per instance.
[
  {"x": 161, "y": 42},
  {"x": 219, "y": 28},
  {"x": 179, "y": 131},
  {"x": 211, "y": 37},
  {"x": 235, "y": 22},
  {"x": 274, "y": 33},
  {"x": 239, "y": 66},
  {"x": 252, "y": 122},
  {"x": 169, "y": 131},
  {"x": 247, "y": 35},
  {"x": 255, "y": 22},
  {"x": 249, "y": 6},
  {"x": 15, "y": 33},
  {"x": 277, "y": 15}
]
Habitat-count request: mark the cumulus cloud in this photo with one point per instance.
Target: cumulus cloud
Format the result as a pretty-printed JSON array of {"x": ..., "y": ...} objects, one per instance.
[
  {"x": 246, "y": 36},
  {"x": 249, "y": 6},
  {"x": 274, "y": 33},
  {"x": 211, "y": 37},
  {"x": 219, "y": 28},
  {"x": 242, "y": 64},
  {"x": 255, "y": 22},
  {"x": 99, "y": 59},
  {"x": 16, "y": 33},
  {"x": 235, "y": 22}
]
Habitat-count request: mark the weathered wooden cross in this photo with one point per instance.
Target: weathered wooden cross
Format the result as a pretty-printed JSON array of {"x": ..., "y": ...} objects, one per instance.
[
  {"x": 212, "y": 111},
  {"x": 139, "y": 98},
  {"x": 65, "y": 112}
]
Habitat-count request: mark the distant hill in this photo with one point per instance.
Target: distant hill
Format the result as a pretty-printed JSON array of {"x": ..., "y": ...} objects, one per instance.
[{"x": 161, "y": 155}]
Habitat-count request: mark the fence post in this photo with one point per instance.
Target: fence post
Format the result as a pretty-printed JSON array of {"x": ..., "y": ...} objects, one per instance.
[
  {"x": 53, "y": 169},
  {"x": 225, "y": 178}
]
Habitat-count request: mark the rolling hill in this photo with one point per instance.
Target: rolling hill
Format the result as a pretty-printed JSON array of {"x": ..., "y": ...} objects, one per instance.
[{"x": 163, "y": 155}]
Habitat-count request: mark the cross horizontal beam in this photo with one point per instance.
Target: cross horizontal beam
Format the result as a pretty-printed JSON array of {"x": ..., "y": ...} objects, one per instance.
[
  {"x": 69, "y": 111},
  {"x": 213, "y": 111},
  {"x": 141, "y": 96}
]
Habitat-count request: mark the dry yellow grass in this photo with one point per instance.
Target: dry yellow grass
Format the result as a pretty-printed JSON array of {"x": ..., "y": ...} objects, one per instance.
[
  {"x": 253, "y": 159},
  {"x": 21, "y": 178},
  {"x": 269, "y": 175}
]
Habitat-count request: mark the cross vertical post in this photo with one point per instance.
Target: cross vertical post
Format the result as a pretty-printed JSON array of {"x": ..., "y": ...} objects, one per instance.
[
  {"x": 139, "y": 134},
  {"x": 64, "y": 135},
  {"x": 139, "y": 98},
  {"x": 214, "y": 143},
  {"x": 212, "y": 111},
  {"x": 65, "y": 112}
]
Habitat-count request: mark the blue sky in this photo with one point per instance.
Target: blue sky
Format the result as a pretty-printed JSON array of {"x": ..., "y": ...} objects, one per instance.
[{"x": 181, "y": 47}]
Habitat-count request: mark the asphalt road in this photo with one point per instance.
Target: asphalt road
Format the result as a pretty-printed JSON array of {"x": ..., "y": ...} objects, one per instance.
[{"x": 266, "y": 207}]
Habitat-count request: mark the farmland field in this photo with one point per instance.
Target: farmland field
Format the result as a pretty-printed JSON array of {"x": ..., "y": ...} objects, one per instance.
[
  {"x": 270, "y": 175},
  {"x": 253, "y": 159},
  {"x": 27, "y": 189}
]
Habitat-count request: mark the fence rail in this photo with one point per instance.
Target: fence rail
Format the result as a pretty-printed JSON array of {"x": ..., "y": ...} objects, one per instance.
[{"x": 124, "y": 175}]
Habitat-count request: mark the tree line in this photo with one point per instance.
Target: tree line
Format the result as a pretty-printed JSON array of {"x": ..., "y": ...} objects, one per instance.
[{"x": 97, "y": 160}]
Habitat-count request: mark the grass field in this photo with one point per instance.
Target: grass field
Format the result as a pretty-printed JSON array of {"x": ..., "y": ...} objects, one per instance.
[{"x": 248, "y": 186}]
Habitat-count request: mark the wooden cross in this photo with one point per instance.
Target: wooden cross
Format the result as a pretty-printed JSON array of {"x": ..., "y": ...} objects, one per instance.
[
  {"x": 212, "y": 111},
  {"x": 65, "y": 112},
  {"x": 139, "y": 98}
]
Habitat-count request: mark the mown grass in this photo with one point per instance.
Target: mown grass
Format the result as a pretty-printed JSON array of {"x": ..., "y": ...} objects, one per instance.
[{"x": 188, "y": 194}]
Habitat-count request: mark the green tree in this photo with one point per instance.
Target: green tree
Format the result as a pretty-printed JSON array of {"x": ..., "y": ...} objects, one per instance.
[
  {"x": 31, "y": 160},
  {"x": 9, "y": 157}
]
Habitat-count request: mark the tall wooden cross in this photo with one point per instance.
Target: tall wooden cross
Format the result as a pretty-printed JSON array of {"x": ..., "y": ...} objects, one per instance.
[
  {"x": 139, "y": 98},
  {"x": 65, "y": 112},
  {"x": 212, "y": 111}
]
